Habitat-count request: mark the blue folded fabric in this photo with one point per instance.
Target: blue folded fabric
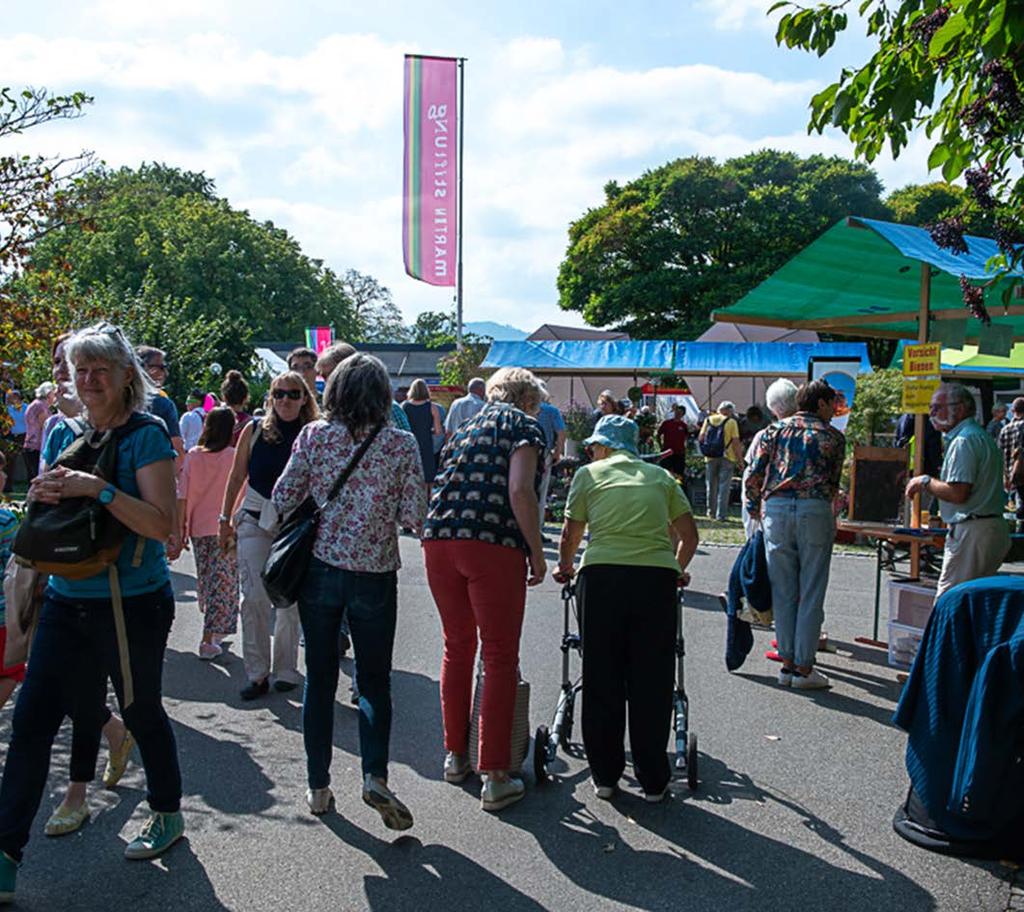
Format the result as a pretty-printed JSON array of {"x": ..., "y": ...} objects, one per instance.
[{"x": 747, "y": 580}]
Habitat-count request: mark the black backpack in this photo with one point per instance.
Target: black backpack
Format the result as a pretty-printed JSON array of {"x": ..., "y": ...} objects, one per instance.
[
  {"x": 712, "y": 441},
  {"x": 78, "y": 537}
]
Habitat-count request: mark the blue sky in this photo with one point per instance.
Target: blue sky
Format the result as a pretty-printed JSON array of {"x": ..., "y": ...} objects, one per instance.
[{"x": 295, "y": 111}]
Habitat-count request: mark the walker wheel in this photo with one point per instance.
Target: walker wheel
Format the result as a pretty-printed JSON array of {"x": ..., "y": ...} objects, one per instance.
[
  {"x": 691, "y": 760},
  {"x": 540, "y": 754}
]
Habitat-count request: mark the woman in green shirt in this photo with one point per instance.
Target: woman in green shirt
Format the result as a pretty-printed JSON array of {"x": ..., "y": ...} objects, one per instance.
[{"x": 627, "y": 590}]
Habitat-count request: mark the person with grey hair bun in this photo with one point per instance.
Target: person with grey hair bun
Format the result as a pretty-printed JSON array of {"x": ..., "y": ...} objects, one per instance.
[
  {"x": 969, "y": 490},
  {"x": 353, "y": 571},
  {"x": 780, "y": 398},
  {"x": 86, "y": 634}
]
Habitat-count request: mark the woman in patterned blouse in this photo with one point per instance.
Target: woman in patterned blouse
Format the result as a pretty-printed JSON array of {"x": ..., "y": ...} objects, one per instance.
[
  {"x": 482, "y": 548},
  {"x": 793, "y": 480},
  {"x": 354, "y": 568}
]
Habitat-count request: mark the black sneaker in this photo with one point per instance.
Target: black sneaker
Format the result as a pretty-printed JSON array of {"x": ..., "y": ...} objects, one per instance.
[
  {"x": 284, "y": 686},
  {"x": 255, "y": 689},
  {"x": 344, "y": 645}
]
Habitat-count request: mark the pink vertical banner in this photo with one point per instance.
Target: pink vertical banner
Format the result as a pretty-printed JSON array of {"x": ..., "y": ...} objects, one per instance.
[{"x": 430, "y": 182}]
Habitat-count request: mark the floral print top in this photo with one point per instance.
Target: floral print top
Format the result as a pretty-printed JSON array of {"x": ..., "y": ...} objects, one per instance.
[
  {"x": 359, "y": 528},
  {"x": 801, "y": 455},
  {"x": 470, "y": 499}
]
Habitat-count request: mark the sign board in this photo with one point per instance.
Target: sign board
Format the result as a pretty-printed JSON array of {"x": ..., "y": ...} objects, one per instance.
[
  {"x": 922, "y": 360},
  {"x": 841, "y": 374},
  {"x": 917, "y": 394}
]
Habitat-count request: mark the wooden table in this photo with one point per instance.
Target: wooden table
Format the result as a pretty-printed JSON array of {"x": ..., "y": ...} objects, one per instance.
[{"x": 882, "y": 533}]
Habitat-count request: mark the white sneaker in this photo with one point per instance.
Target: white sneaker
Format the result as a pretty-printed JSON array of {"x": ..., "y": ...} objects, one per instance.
[
  {"x": 497, "y": 795},
  {"x": 786, "y": 677},
  {"x": 396, "y": 816},
  {"x": 605, "y": 792},
  {"x": 456, "y": 767},
  {"x": 813, "y": 680},
  {"x": 319, "y": 800},
  {"x": 657, "y": 797}
]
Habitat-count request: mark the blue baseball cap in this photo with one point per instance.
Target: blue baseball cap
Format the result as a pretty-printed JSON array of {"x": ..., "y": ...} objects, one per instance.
[{"x": 617, "y": 432}]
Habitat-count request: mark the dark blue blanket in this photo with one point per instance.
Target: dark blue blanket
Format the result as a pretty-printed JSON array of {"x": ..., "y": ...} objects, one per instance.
[{"x": 747, "y": 580}]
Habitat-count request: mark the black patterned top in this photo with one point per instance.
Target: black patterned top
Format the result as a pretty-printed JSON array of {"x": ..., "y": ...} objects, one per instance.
[{"x": 470, "y": 497}]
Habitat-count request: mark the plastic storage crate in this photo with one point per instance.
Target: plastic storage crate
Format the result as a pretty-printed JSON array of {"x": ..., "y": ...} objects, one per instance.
[
  {"x": 910, "y": 602},
  {"x": 904, "y": 641}
]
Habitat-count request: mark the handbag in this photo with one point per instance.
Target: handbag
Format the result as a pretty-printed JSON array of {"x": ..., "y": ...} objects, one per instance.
[
  {"x": 288, "y": 559},
  {"x": 23, "y": 594},
  {"x": 520, "y": 723}
]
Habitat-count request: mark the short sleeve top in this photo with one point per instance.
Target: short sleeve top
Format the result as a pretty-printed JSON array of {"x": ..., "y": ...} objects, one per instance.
[
  {"x": 136, "y": 450},
  {"x": 164, "y": 409},
  {"x": 470, "y": 499},
  {"x": 627, "y": 505},
  {"x": 8, "y": 528}
]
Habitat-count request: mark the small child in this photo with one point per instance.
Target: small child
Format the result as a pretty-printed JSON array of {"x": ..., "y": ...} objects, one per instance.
[
  {"x": 204, "y": 476},
  {"x": 9, "y": 677}
]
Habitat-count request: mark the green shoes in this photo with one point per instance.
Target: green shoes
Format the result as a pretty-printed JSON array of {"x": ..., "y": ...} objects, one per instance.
[
  {"x": 158, "y": 834},
  {"x": 66, "y": 820},
  {"x": 8, "y": 875}
]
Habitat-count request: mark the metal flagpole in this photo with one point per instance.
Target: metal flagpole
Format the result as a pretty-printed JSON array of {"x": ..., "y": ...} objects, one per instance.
[{"x": 458, "y": 267}]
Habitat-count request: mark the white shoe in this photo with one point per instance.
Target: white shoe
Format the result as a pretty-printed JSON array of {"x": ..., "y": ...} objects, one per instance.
[
  {"x": 456, "y": 767},
  {"x": 786, "y": 677},
  {"x": 605, "y": 792},
  {"x": 319, "y": 800},
  {"x": 657, "y": 797},
  {"x": 376, "y": 794},
  {"x": 497, "y": 795},
  {"x": 813, "y": 680}
]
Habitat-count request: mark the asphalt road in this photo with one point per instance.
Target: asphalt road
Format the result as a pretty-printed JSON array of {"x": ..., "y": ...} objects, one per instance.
[{"x": 793, "y": 811}]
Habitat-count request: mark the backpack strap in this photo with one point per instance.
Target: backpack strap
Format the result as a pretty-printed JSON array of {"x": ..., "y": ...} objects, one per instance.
[{"x": 120, "y": 629}]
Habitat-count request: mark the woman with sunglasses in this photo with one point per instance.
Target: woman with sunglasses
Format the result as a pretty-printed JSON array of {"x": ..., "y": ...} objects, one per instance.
[{"x": 260, "y": 457}]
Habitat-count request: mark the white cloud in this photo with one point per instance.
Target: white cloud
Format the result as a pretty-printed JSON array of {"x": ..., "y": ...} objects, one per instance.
[{"x": 734, "y": 15}]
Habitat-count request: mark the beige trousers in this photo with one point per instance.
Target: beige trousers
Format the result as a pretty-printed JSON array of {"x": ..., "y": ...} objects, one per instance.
[
  {"x": 257, "y": 611},
  {"x": 974, "y": 549}
]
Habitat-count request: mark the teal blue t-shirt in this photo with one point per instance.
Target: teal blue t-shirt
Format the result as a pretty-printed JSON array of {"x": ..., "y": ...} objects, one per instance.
[
  {"x": 973, "y": 457},
  {"x": 142, "y": 447}
]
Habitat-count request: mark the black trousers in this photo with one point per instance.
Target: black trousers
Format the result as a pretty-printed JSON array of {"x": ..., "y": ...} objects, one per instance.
[
  {"x": 73, "y": 654},
  {"x": 629, "y": 628}
]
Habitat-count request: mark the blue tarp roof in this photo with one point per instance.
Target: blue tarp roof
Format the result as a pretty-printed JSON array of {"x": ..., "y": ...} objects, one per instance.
[{"x": 703, "y": 358}]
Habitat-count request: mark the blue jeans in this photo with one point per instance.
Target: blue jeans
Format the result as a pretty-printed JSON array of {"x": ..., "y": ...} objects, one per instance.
[
  {"x": 718, "y": 477},
  {"x": 370, "y": 600},
  {"x": 798, "y": 538},
  {"x": 73, "y": 654}
]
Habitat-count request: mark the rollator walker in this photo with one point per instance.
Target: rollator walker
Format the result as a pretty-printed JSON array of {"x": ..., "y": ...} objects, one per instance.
[{"x": 548, "y": 738}]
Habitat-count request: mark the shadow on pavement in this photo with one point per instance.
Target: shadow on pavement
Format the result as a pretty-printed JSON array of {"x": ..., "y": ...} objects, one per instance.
[
  {"x": 728, "y": 867},
  {"x": 416, "y": 876}
]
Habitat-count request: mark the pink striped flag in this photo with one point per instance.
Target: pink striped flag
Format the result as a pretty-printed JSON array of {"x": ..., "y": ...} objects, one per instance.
[
  {"x": 319, "y": 337},
  {"x": 430, "y": 178}
]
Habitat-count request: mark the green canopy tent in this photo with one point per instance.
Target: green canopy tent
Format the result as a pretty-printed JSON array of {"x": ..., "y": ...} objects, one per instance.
[{"x": 871, "y": 278}]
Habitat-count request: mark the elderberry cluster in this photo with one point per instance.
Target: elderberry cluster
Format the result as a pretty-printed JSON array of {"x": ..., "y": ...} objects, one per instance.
[
  {"x": 949, "y": 234},
  {"x": 974, "y": 300},
  {"x": 927, "y": 26},
  {"x": 1003, "y": 93},
  {"x": 979, "y": 182},
  {"x": 1009, "y": 238}
]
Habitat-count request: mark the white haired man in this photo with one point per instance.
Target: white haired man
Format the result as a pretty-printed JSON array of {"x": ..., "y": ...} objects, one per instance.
[
  {"x": 969, "y": 491},
  {"x": 465, "y": 407}
]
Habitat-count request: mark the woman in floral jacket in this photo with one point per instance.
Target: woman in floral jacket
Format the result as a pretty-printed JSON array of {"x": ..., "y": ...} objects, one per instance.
[{"x": 354, "y": 568}]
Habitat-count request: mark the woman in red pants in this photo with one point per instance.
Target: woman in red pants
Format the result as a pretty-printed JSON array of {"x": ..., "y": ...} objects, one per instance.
[{"x": 482, "y": 547}]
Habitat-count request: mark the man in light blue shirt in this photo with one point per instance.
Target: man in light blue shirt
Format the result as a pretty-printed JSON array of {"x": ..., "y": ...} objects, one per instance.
[
  {"x": 465, "y": 407},
  {"x": 970, "y": 490}
]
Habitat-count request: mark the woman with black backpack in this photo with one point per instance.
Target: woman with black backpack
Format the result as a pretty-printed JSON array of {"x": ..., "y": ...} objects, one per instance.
[{"x": 110, "y": 623}]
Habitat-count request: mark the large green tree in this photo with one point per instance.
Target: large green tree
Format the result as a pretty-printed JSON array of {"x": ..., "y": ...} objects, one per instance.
[
  {"x": 952, "y": 68},
  {"x": 157, "y": 233},
  {"x": 374, "y": 310},
  {"x": 666, "y": 249}
]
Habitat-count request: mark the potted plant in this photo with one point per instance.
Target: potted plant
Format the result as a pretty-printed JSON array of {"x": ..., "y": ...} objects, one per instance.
[{"x": 579, "y": 425}]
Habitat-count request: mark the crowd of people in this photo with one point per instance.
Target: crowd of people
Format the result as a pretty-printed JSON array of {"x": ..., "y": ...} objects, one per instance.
[{"x": 471, "y": 485}]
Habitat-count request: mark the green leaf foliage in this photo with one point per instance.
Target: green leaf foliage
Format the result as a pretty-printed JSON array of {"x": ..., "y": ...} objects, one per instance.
[
  {"x": 161, "y": 234},
  {"x": 876, "y": 405},
  {"x": 681, "y": 240}
]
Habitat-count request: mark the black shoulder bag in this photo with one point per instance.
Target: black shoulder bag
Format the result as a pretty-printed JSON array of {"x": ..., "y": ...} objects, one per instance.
[{"x": 292, "y": 547}]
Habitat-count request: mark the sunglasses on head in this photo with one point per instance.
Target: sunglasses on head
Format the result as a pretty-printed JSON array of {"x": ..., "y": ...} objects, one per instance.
[{"x": 287, "y": 394}]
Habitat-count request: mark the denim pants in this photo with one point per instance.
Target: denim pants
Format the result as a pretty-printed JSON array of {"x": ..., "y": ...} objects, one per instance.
[
  {"x": 73, "y": 654},
  {"x": 718, "y": 478},
  {"x": 798, "y": 537},
  {"x": 370, "y": 601}
]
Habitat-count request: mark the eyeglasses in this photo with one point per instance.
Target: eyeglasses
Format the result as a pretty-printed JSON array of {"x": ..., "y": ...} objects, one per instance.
[
  {"x": 162, "y": 366},
  {"x": 301, "y": 366},
  {"x": 287, "y": 394}
]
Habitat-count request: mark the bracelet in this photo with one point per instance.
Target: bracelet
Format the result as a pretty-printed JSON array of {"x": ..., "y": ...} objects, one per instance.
[{"x": 223, "y": 518}]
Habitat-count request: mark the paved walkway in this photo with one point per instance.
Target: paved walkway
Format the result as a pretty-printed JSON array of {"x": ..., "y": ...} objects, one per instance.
[{"x": 793, "y": 812}]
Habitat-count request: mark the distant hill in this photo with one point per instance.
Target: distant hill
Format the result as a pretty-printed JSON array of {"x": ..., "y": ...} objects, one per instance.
[{"x": 499, "y": 332}]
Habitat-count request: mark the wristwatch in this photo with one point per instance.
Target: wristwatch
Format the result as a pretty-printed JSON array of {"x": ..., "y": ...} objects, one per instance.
[
  {"x": 106, "y": 496},
  {"x": 925, "y": 481},
  {"x": 223, "y": 518}
]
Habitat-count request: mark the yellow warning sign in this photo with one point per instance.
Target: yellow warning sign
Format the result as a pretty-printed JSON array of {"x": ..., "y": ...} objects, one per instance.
[{"x": 922, "y": 360}]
